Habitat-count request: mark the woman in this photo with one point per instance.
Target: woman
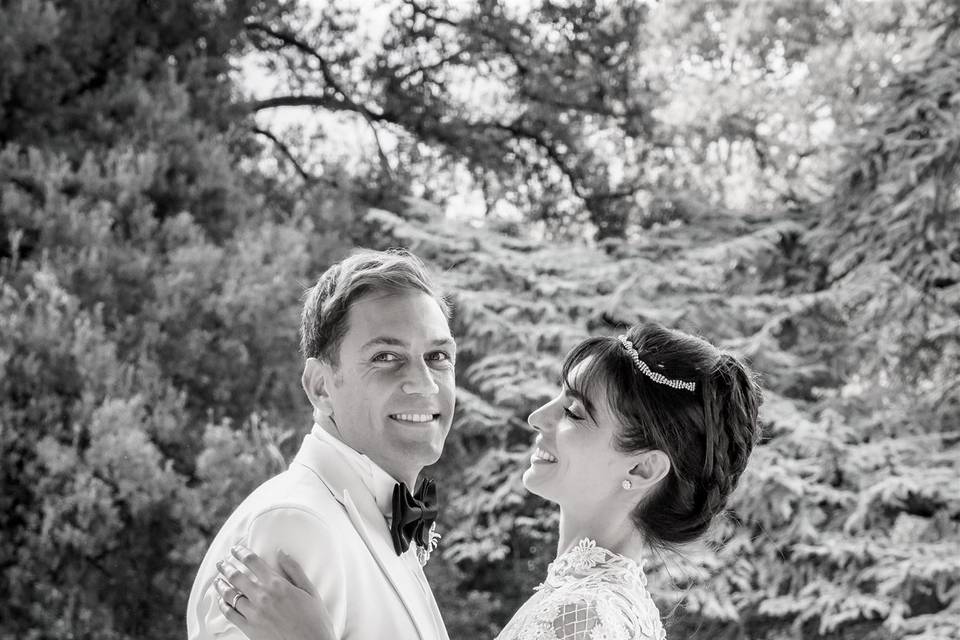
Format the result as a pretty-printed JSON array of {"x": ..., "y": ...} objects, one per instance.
[{"x": 641, "y": 449}]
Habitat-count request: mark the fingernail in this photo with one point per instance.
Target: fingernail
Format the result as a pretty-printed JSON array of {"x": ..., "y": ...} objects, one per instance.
[{"x": 220, "y": 565}]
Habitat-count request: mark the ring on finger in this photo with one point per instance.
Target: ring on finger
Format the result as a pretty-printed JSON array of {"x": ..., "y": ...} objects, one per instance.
[{"x": 236, "y": 598}]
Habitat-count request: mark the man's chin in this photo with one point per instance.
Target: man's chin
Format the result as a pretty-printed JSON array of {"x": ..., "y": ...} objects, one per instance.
[
  {"x": 431, "y": 454},
  {"x": 425, "y": 451}
]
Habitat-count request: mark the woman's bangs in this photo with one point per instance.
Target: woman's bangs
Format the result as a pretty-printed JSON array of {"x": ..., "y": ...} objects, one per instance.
[{"x": 593, "y": 380}]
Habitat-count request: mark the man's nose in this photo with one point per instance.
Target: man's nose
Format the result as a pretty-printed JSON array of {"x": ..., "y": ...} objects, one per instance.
[{"x": 420, "y": 381}]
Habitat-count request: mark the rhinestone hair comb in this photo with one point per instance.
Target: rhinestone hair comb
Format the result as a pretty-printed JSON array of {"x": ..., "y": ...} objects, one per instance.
[{"x": 659, "y": 378}]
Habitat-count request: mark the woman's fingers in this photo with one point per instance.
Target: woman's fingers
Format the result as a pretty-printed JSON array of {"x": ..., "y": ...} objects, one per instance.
[
  {"x": 229, "y": 613},
  {"x": 237, "y": 619},
  {"x": 270, "y": 605},
  {"x": 294, "y": 572},
  {"x": 230, "y": 596},
  {"x": 236, "y": 576},
  {"x": 254, "y": 563}
]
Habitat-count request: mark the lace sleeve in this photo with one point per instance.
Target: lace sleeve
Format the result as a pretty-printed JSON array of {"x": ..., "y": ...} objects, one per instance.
[{"x": 590, "y": 593}]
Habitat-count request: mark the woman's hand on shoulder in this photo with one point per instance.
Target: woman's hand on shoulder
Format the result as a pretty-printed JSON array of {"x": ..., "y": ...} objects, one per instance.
[{"x": 266, "y": 604}]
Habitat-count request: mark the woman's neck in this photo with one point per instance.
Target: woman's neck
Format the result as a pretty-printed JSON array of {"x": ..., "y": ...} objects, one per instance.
[{"x": 618, "y": 535}]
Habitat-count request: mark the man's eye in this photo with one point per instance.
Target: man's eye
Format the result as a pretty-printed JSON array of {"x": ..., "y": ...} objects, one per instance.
[
  {"x": 439, "y": 356},
  {"x": 386, "y": 357},
  {"x": 570, "y": 414}
]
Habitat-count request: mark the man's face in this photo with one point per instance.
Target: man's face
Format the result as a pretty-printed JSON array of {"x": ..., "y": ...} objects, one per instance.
[{"x": 393, "y": 393}]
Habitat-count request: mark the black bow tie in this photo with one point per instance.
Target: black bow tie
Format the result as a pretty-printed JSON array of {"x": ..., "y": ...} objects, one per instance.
[{"x": 413, "y": 515}]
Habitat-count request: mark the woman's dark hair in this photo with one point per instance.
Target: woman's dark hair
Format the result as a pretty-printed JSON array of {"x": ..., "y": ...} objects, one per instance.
[{"x": 707, "y": 433}]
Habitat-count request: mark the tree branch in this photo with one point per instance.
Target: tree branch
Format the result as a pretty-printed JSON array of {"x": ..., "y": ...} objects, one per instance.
[
  {"x": 439, "y": 63},
  {"x": 492, "y": 34},
  {"x": 552, "y": 152},
  {"x": 340, "y": 100},
  {"x": 309, "y": 100},
  {"x": 291, "y": 40},
  {"x": 425, "y": 12},
  {"x": 285, "y": 150},
  {"x": 335, "y": 98}
]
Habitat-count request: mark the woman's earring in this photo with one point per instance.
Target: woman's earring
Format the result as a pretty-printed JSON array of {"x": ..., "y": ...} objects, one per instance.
[{"x": 626, "y": 484}]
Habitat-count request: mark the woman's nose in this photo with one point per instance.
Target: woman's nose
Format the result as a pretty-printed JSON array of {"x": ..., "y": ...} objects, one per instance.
[{"x": 537, "y": 419}]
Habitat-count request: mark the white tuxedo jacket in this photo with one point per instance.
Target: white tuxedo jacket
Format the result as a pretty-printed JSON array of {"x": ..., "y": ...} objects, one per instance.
[{"x": 322, "y": 512}]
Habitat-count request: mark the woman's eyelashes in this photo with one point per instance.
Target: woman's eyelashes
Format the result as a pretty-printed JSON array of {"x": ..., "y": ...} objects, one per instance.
[{"x": 568, "y": 411}]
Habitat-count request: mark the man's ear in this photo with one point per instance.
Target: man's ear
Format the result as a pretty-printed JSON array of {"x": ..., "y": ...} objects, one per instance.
[
  {"x": 649, "y": 468},
  {"x": 317, "y": 375}
]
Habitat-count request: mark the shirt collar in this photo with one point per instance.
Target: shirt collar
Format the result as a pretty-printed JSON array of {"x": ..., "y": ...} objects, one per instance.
[{"x": 378, "y": 482}]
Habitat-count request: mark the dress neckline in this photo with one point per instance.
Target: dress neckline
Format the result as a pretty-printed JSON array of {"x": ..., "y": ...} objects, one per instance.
[
  {"x": 587, "y": 558},
  {"x": 591, "y": 582}
]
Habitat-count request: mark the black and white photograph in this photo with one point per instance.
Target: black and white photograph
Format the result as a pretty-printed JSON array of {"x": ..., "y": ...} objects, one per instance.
[{"x": 480, "y": 320}]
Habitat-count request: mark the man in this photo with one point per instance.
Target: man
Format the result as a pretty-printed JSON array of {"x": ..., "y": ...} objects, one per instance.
[{"x": 379, "y": 373}]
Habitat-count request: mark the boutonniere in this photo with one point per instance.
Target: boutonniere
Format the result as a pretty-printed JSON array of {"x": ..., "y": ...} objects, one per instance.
[{"x": 433, "y": 539}]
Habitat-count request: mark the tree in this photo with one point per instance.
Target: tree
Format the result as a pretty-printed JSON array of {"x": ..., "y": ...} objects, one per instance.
[
  {"x": 143, "y": 267},
  {"x": 544, "y": 107}
]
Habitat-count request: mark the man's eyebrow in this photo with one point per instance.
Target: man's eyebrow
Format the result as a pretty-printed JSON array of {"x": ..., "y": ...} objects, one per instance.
[
  {"x": 387, "y": 340},
  {"x": 397, "y": 342}
]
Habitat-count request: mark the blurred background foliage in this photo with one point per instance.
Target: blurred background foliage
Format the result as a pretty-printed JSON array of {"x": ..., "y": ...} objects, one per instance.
[{"x": 780, "y": 177}]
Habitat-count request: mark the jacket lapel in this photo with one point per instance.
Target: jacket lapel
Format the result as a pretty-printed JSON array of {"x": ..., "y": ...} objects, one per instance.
[{"x": 350, "y": 491}]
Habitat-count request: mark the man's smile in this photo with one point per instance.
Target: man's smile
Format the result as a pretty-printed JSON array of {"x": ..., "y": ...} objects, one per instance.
[{"x": 415, "y": 418}]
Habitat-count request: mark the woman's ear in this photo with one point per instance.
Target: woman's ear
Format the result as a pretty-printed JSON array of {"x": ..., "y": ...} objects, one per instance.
[
  {"x": 650, "y": 467},
  {"x": 317, "y": 375}
]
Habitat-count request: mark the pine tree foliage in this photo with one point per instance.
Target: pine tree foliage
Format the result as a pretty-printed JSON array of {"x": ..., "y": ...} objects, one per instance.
[
  {"x": 902, "y": 180},
  {"x": 847, "y": 520}
]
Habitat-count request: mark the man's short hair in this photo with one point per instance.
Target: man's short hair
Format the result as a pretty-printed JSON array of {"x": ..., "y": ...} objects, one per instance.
[{"x": 323, "y": 323}]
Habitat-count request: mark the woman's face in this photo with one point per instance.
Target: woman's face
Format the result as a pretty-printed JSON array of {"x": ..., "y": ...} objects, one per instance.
[{"x": 574, "y": 462}]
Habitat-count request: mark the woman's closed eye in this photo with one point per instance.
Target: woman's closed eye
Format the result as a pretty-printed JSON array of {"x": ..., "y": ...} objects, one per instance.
[{"x": 568, "y": 411}]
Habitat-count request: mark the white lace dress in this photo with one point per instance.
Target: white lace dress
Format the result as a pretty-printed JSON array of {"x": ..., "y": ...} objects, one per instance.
[{"x": 590, "y": 593}]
